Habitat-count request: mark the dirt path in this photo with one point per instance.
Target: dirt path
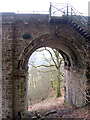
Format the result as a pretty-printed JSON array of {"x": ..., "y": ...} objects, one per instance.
[
  {"x": 51, "y": 103},
  {"x": 56, "y": 108}
]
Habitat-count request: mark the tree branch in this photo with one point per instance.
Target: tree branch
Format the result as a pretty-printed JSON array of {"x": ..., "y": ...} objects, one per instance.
[
  {"x": 45, "y": 71},
  {"x": 42, "y": 65},
  {"x": 52, "y": 57}
]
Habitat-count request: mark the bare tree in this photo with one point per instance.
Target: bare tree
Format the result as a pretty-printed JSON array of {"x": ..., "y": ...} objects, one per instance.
[{"x": 54, "y": 63}]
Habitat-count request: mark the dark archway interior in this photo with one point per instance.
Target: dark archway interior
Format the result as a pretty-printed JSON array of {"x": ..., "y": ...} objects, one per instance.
[{"x": 66, "y": 59}]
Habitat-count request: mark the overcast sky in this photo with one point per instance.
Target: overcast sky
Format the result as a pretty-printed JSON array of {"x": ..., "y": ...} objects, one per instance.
[{"x": 26, "y": 6}]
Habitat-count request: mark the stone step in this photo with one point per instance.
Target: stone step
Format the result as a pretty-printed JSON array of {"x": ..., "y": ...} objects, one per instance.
[
  {"x": 80, "y": 30},
  {"x": 76, "y": 26}
]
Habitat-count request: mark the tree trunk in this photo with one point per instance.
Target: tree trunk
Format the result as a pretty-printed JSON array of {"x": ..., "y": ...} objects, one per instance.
[{"x": 58, "y": 88}]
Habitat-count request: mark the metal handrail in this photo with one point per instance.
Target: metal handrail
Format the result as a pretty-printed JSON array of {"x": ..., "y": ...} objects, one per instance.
[{"x": 68, "y": 10}]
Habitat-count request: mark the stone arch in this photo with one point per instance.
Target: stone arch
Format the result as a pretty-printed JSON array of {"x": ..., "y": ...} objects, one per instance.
[
  {"x": 49, "y": 40},
  {"x": 72, "y": 59}
]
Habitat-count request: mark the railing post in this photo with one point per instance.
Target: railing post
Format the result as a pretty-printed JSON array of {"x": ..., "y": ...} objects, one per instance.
[
  {"x": 67, "y": 9},
  {"x": 50, "y": 12},
  {"x": 89, "y": 17},
  {"x": 71, "y": 11}
]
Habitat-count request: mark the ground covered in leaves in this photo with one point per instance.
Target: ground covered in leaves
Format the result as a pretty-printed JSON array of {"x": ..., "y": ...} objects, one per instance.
[{"x": 56, "y": 108}]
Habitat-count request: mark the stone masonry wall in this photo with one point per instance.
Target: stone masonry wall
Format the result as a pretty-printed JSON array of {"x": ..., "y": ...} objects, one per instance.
[
  {"x": 0, "y": 65},
  {"x": 16, "y": 51},
  {"x": 7, "y": 66},
  {"x": 75, "y": 88}
]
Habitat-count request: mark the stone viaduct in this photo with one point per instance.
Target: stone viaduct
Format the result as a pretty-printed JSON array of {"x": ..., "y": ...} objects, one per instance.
[{"x": 20, "y": 36}]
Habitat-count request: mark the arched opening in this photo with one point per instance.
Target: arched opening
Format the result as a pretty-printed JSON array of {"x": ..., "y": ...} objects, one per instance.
[
  {"x": 72, "y": 62},
  {"x": 45, "y": 78}
]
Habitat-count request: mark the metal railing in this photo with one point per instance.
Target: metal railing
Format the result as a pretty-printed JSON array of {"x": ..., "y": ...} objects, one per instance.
[{"x": 67, "y": 10}]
